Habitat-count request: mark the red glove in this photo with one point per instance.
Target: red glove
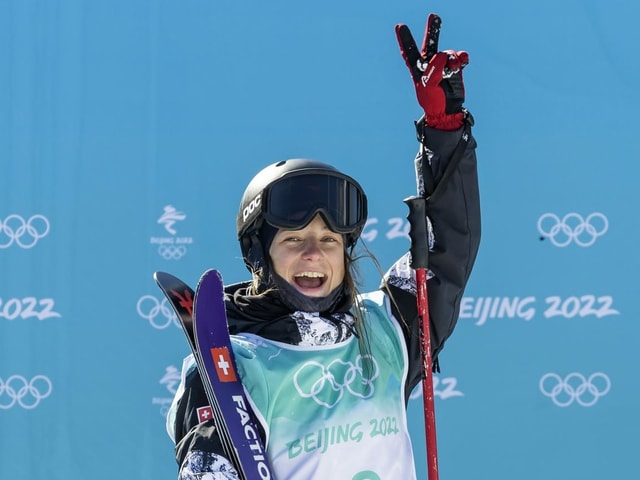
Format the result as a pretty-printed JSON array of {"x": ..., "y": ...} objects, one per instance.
[{"x": 437, "y": 76}]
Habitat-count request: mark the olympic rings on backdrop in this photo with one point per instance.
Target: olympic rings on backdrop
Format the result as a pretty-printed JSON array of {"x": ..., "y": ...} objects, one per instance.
[
  {"x": 575, "y": 388},
  {"x": 573, "y": 228},
  {"x": 156, "y": 308},
  {"x": 172, "y": 252},
  {"x": 25, "y": 234},
  {"x": 27, "y": 394}
]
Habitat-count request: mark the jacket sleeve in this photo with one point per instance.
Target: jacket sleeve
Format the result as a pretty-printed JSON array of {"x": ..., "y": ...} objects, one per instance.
[
  {"x": 454, "y": 213},
  {"x": 199, "y": 451}
]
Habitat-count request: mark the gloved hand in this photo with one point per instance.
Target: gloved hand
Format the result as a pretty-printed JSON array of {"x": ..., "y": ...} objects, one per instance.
[{"x": 437, "y": 76}]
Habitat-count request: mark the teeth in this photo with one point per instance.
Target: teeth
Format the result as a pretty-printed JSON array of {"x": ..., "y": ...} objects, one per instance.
[{"x": 310, "y": 274}]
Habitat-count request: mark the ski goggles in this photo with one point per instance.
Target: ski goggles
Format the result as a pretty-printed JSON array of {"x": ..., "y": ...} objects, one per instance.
[{"x": 294, "y": 200}]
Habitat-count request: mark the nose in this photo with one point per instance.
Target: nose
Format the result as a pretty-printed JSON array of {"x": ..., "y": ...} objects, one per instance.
[{"x": 311, "y": 249}]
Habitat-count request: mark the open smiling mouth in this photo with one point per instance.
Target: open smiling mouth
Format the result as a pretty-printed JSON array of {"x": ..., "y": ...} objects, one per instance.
[{"x": 309, "y": 279}]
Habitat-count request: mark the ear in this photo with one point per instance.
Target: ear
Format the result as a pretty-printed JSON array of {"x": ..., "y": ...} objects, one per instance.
[{"x": 257, "y": 261}]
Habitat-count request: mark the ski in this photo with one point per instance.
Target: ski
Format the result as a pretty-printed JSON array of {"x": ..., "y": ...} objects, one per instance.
[
  {"x": 203, "y": 319},
  {"x": 216, "y": 356},
  {"x": 181, "y": 298}
]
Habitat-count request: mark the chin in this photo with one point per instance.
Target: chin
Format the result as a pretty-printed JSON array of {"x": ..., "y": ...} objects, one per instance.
[{"x": 312, "y": 294}]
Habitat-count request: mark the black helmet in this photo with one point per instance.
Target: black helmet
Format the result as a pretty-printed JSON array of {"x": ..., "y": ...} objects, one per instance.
[{"x": 289, "y": 194}]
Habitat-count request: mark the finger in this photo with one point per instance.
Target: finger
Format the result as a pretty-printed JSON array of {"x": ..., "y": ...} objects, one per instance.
[
  {"x": 464, "y": 58},
  {"x": 431, "y": 36},
  {"x": 454, "y": 62},
  {"x": 409, "y": 50}
]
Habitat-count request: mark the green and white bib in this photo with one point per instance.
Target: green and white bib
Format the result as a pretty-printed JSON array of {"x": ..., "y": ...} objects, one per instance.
[{"x": 331, "y": 412}]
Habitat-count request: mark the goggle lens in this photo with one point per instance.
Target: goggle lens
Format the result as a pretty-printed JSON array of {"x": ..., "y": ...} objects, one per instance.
[{"x": 293, "y": 202}]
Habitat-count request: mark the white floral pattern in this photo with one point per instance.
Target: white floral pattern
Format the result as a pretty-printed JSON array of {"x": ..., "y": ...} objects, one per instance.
[
  {"x": 199, "y": 465},
  {"x": 317, "y": 330}
]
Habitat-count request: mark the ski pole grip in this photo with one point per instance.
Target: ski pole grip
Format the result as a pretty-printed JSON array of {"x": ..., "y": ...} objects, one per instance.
[{"x": 418, "y": 232}]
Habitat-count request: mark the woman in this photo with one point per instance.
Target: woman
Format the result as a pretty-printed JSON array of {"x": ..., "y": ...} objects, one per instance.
[{"x": 328, "y": 371}]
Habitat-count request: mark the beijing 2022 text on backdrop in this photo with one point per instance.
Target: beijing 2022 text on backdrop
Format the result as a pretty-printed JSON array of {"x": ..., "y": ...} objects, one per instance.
[{"x": 129, "y": 129}]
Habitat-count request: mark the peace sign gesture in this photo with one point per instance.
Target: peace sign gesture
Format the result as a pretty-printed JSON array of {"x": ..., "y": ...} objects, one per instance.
[{"x": 437, "y": 75}]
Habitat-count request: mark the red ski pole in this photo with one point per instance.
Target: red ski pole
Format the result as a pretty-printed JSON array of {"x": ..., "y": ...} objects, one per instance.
[
  {"x": 419, "y": 235},
  {"x": 422, "y": 70}
]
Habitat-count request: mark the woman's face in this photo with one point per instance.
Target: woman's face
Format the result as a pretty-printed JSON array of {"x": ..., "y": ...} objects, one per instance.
[{"x": 311, "y": 259}]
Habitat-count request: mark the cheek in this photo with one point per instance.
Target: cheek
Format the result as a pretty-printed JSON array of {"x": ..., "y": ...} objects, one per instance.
[
  {"x": 278, "y": 262},
  {"x": 338, "y": 271}
]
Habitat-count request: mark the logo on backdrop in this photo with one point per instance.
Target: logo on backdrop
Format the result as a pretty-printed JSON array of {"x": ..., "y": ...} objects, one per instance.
[
  {"x": 572, "y": 228},
  {"x": 157, "y": 312},
  {"x": 171, "y": 246},
  {"x": 442, "y": 387},
  {"x": 575, "y": 388},
  {"x": 171, "y": 380},
  {"x": 482, "y": 309},
  {"x": 18, "y": 391},
  {"x": 15, "y": 230},
  {"x": 27, "y": 307},
  {"x": 396, "y": 227}
]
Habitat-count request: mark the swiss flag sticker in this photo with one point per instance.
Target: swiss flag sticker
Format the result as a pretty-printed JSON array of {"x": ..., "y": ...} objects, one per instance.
[
  {"x": 222, "y": 361},
  {"x": 204, "y": 414}
]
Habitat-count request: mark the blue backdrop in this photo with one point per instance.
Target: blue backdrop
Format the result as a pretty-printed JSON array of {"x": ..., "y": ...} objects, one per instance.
[{"x": 129, "y": 129}]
